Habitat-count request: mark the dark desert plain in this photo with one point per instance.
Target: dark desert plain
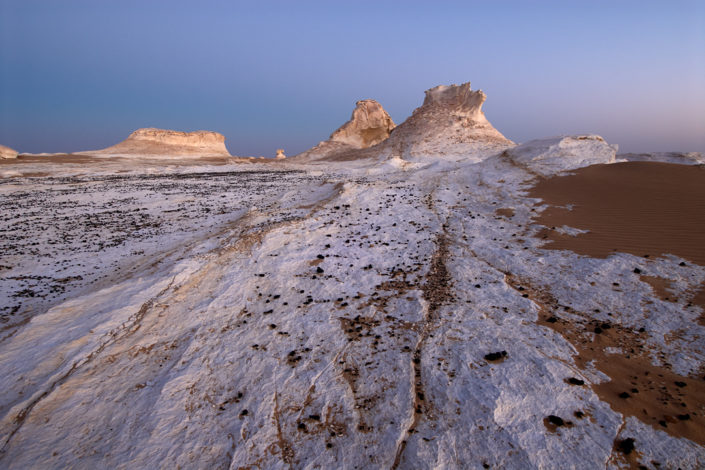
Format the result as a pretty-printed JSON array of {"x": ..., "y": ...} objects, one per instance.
[{"x": 505, "y": 278}]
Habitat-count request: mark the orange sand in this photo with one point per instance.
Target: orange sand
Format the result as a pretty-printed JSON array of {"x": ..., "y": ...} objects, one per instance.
[{"x": 642, "y": 208}]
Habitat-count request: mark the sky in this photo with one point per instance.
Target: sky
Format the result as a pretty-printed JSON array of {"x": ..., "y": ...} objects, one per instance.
[{"x": 81, "y": 75}]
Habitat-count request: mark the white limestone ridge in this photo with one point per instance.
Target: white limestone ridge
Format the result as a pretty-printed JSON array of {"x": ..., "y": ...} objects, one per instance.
[
  {"x": 7, "y": 152},
  {"x": 555, "y": 154},
  {"x": 164, "y": 142},
  {"x": 681, "y": 158}
]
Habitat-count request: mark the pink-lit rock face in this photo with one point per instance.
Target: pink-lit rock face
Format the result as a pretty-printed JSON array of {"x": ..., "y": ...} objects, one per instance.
[
  {"x": 398, "y": 306},
  {"x": 7, "y": 152},
  {"x": 450, "y": 123},
  {"x": 151, "y": 141},
  {"x": 369, "y": 125},
  {"x": 456, "y": 98}
]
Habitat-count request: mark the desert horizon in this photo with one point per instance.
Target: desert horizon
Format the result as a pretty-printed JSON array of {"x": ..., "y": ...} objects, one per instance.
[{"x": 338, "y": 270}]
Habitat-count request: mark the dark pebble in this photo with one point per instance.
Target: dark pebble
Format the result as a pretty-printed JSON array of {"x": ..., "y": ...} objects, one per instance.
[
  {"x": 556, "y": 420},
  {"x": 496, "y": 356},
  {"x": 626, "y": 446}
]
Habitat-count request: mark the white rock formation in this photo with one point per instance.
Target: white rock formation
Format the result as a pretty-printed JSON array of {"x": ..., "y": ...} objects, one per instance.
[
  {"x": 368, "y": 126},
  {"x": 7, "y": 152},
  {"x": 337, "y": 318},
  {"x": 555, "y": 154},
  {"x": 682, "y": 158},
  {"x": 319, "y": 319},
  {"x": 162, "y": 142},
  {"x": 449, "y": 124},
  {"x": 280, "y": 154}
]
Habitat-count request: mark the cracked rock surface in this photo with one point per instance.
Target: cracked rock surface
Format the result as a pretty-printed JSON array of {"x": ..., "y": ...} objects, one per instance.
[{"x": 283, "y": 317}]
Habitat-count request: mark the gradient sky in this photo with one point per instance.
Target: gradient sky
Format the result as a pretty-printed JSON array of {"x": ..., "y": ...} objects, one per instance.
[{"x": 78, "y": 75}]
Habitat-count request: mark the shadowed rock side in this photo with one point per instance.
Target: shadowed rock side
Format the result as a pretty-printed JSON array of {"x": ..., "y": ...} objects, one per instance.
[
  {"x": 162, "y": 142},
  {"x": 369, "y": 125},
  {"x": 7, "y": 152},
  {"x": 450, "y": 123}
]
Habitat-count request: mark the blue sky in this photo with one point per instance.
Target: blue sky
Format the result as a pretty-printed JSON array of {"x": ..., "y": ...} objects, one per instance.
[{"x": 77, "y": 75}]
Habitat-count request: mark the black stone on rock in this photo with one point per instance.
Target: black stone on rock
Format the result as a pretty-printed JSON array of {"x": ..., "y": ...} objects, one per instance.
[
  {"x": 496, "y": 356},
  {"x": 556, "y": 420},
  {"x": 626, "y": 446}
]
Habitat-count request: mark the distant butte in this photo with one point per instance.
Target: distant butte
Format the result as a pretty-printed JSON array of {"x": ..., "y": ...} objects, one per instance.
[
  {"x": 7, "y": 152},
  {"x": 162, "y": 142}
]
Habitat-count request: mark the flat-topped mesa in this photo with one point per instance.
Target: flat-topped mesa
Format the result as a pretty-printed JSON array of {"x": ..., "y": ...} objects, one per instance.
[
  {"x": 166, "y": 136},
  {"x": 164, "y": 142},
  {"x": 7, "y": 152},
  {"x": 369, "y": 125}
]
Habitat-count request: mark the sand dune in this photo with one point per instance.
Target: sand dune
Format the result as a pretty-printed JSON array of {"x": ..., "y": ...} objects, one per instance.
[{"x": 643, "y": 208}]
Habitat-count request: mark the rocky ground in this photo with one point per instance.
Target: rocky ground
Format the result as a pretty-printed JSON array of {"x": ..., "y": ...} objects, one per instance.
[{"x": 379, "y": 316}]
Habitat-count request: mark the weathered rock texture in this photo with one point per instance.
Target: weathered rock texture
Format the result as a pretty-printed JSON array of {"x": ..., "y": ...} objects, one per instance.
[
  {"x": 7, "y": 152},
  {"x": 556, "y": 154},
  {"x": 368, "y": 126},
  {"x": 449, "y": 124},
  {"x": 682, "y": 158},
  {"x": 164, "y": 142}
]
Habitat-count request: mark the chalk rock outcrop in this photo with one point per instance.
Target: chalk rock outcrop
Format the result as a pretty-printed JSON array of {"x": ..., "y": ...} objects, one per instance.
[
  {"x": 681, "y": 158},
  {"x": 280, "y": 154},
  {"x": 368, "y": 126},
  {"x": 7, "y": 153},
  {"x": 162, "y": 142},
  {"x": 555, "y": 154},
  {"x": 449, "y": 123}
]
